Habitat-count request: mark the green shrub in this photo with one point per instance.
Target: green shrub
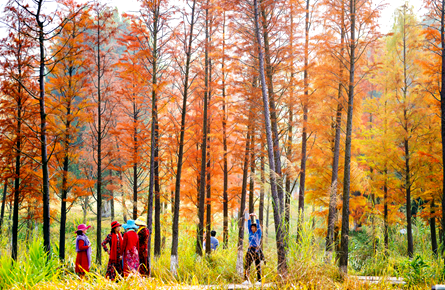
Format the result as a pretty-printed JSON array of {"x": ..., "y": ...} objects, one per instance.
[{"x": 33, "y": 266}]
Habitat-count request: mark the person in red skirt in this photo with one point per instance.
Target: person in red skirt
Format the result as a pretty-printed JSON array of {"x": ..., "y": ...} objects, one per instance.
[
  {"x": 83, "y": 249},
  {"x": 144, "y": 235},
  {"x": 130, "y": 247},
  {"x": 114, "y": 239}
]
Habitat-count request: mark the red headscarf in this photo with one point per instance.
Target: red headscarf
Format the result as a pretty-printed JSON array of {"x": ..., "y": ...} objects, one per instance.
[{"x": 116, "y": 239}]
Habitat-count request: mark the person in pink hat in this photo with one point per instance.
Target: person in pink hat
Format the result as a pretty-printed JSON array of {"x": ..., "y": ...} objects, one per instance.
[{"x": 83, "y": 249}]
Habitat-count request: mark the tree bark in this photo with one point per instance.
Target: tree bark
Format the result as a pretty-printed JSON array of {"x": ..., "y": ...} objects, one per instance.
[
  {"x": 224, "y": 125},
  {"x": 241, "y": 220},
  {"x": 277, "y": 200},
  {"x": 304, "y": 132},
  {"x": 442, "y": 108},
  {"x": 175, "y": 223},
  {"x": 272, "y": 104},
  {"x": 263, "y": 180},
  {"x": 332, "y": 215},
  {"x": 252, "y": 173},
  {"x": 433, "y": 228},
  {"x": 203, "y": 182},
  {"x": 385, "y": 210},
  {"x": 347, "y": 170},
  {"x": 2, "y": 214}
]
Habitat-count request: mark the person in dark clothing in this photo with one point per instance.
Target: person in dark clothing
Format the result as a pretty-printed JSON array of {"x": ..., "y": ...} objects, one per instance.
[{"x": 254, "y": 252}]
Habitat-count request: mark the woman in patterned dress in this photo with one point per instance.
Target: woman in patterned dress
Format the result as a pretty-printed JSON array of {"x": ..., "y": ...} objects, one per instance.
[
  {"x": 129, "y": 250},
  {"x": 143, "y": 235},
  {"x": 115, "y": 240}
]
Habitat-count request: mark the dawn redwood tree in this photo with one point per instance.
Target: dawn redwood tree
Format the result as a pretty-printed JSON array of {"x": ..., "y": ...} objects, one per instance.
[
  {"x": 279, "y": 223},
  {"x": 67, "y": 87},
  {"x": 101, "y": 53},
  {"x": 338, "y": 19},
  {"x": 187, "y": 41},
  {"x": 357, "y": 43},
  {"x": 43, "y": 28},
  {"x": 17, "y": 58},
  {"x": 435, "y": 35},
  {"x": 241, "y": 218}
]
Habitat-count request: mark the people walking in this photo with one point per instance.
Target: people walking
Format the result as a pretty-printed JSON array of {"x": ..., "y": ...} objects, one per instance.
[
  {"x": 114, "y": 239},
  {"x": 254, "y": 252},
  {"x": 129, "y": 251},
  {"x": 83, "y": 249}
]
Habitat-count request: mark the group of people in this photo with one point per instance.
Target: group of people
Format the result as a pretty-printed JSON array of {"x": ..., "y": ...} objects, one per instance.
[{"x": 128, "y": 253}]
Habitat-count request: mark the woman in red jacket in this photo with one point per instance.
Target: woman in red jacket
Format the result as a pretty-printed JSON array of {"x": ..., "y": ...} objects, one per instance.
[
  {"x": 114, "y": 239},
  {"x": 130, "y": 247},
  {"x": 83, "y": 249},
  {"x": 143, "y": 235}
]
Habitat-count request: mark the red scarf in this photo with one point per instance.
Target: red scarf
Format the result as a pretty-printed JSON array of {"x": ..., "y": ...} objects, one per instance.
[{"x": 115, "y": 241}]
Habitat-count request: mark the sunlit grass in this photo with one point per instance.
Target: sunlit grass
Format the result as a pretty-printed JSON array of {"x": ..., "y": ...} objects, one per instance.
[{"x": 306, "y": 265}]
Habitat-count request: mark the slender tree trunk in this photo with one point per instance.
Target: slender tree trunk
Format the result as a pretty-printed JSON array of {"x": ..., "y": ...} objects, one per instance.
[
  {"x": 385, "y": 210},
  {"x": 99, "y": 157},
  {"x": 305, "y": 116},
  {"x": 66, "y": 161},
  {"x": 2, "y": 214},
  {"x": 442, "y": 109},
  {"x": 272, "y": 104},
  {"x": 433, "y": 228},
  {"x": 224, "y": 125},
  {"x": 15, "y": 219},
  {"x": 43, "y": 134},
  {"x": 175, "y": 223},
  {"x": 208, "y": 200},
  {"x": 203, "y": 183},
  {"x": 408, "y": 199},
  {"x": 135, "y": 172},
  {"x": 241, "y": 220},
  {"x": 63, "y": 201},
  {"x": 263, "y": 180},
  {"x": 332, "y": 215},
  {"x": 252, "y": 173},
  {"x": 347, "y": 170},
  {"x": 277, "y": 200}
]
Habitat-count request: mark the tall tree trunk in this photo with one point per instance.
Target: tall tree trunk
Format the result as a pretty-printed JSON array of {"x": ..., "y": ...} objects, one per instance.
[
  {"x": 63, "y": 201},
  {"x": 385, "y": 210},
  {"x": 175, "y": 223},
  {"x": 208, "y": 200},
  {"x": 433, "y": 228},
  {"x": 203, "y": 183},
  {"x": 2, "y": 214},
  {"x": 135, "y": 173},
  {"x": 263, "y": 180},
  {"x": 252, "y": 173},
  {"x": 66, "y": 161},
  {"x": 99, "y": 157},
  {"x": 408, "y": 199},
  {"x": 43, "y": 133},
  {"x": 347, "y": 170},
  {"x": 224, "y": 125},
  {"x": 332, "y": 215},
  {"x": 277, "y": 200},
  {"x": 305, "y": 116},
  {"x": 273, "y": 111},
  {"x": 241, "y": 220},
  {"x": 15, "y": 218},
  {"x": 442, "y": 109}
]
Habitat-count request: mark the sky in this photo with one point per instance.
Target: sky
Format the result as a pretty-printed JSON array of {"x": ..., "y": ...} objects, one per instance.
[{"x": 385, "y": 21}]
